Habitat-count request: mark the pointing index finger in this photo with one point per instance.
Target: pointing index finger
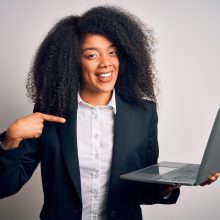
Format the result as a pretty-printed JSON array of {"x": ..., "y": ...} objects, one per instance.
[{"x": 53, "y": 118}]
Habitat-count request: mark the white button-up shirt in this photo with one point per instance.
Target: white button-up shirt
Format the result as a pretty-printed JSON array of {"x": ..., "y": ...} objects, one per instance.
[{"x": 95, "y": 131}]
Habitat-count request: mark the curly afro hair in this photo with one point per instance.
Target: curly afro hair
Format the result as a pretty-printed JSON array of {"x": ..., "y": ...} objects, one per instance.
[{"x": 54, "y": 79}]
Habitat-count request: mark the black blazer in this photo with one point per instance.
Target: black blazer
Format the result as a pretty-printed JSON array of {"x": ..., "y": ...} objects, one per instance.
[{"x": 135, "y": 146}]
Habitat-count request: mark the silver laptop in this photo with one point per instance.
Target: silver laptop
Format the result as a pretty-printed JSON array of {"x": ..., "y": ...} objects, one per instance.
[{"x": 184, "y": 173}]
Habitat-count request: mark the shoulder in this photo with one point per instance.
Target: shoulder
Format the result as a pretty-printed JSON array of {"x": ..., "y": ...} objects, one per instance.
[
  {"x": 147, "y": 109},
  {"x": 144, "y": 108},
  {"x": 144, "y": 103},
  {"x": 150, "y": 104}
]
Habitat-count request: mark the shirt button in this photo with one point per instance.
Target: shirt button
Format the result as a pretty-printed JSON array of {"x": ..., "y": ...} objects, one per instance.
[
  {"x": 113, "y": 214},
  {"x": 97, "y": 156},
  {"x": 94, "y": 114},
  {"x": 96, "y": 136},
  {"x": 94, "y": 217},
  {"x": 76, "y": 210},
  {"x": 94, "y": 191}
]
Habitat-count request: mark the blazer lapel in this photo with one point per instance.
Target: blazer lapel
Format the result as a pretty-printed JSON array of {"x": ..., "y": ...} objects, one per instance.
[
  {"x": 123, "y": 136},
  {"x": 68, "y": 137}
]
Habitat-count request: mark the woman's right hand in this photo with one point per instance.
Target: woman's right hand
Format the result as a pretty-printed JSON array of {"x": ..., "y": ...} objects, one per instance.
[{"x": 30, "y": 126}]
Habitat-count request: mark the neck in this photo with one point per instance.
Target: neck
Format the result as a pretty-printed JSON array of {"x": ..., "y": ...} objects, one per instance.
[{"x": 96, "y": 98}]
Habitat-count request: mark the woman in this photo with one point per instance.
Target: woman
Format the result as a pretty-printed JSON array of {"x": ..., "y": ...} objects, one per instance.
[{"x": 95, "y": 118}]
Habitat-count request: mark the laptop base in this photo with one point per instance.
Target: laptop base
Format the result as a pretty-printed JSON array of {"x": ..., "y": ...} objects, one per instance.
[{"x": 166, "y": 173}]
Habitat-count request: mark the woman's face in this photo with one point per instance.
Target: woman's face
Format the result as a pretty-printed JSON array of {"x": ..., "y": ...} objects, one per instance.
[{"x": 99, "y": 63}]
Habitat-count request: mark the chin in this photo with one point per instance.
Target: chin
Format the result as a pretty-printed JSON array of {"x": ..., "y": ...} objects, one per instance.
[{"x": 106, "y": 90}]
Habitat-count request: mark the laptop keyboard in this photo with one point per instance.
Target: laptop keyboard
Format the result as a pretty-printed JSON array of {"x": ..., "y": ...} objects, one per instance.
[{"x": 187, "y": 173}]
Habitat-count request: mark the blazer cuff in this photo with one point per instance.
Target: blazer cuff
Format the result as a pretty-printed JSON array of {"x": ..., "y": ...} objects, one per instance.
[
  {"x": 171, "y": 198},
  {"x": 9, "y": 152}
]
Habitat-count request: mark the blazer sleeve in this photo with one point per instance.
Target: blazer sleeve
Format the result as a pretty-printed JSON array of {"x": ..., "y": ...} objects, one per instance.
[
  {"x": 150, "y": 193},
  {"x": 17, "y": 166}
]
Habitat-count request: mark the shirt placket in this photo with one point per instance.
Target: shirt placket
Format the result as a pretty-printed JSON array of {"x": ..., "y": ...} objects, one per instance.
[{"x": 96, "y": 166}]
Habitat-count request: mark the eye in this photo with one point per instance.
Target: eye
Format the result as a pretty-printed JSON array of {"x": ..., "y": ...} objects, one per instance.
[
  {"x": 92, "y": 55},
  {"x": 113, "y": 52}
]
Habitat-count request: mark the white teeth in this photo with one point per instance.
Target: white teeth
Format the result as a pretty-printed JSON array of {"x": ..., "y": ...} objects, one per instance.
[{"x": 105, "y": 75}]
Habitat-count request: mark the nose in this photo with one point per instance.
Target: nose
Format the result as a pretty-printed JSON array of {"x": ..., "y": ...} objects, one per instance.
[{"x": 105, "y": 61}]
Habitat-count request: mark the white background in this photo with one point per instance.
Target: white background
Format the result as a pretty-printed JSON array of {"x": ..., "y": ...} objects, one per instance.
[{"x": 187, "y": 59}]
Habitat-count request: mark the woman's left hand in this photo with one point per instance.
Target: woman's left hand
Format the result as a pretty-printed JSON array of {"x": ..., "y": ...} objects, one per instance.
[
  {"x": 167, "y": 189},
  {"x": 212, "y": 178}
]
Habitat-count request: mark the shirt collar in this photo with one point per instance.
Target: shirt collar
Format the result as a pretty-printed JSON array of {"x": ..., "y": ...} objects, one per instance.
[{"x": 111, "y": 103}]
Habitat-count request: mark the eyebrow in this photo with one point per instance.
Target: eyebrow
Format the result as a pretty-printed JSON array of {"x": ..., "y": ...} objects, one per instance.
[{"x": 94, "y": 48}]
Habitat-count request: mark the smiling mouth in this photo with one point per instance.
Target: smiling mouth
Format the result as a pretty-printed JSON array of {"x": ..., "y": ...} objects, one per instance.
[{"x": 104, "y": 75}]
